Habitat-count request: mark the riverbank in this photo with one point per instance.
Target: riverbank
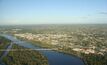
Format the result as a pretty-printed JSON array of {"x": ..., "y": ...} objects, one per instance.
[
  {"x": 4, "y": 43},
  {"x": 24, "y": 57},
  {"x": 88, "y": 59},
  {"x": 54, "y": 57},
  {"x": 38, "y": 43}
]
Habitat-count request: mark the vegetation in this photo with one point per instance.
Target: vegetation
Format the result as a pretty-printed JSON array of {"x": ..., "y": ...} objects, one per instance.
[
  {"x": 38, "y": 43},
  {"x": 24, "y": 57},
  {"x": 89, "y": 59},
  {"x": 3, "y": 43},
  {"x": 78, "y": 36},
  {"x": 94, "y": 59}
]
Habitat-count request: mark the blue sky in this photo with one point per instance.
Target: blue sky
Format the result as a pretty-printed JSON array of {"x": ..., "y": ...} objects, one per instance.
[{"x": 53, "y": 11}]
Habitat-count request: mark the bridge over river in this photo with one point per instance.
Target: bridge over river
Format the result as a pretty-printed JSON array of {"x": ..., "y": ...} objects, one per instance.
[{"x": 54, "y": 57}]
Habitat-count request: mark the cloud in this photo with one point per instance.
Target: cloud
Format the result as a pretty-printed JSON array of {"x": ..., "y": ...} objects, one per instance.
[{"x": 105, "y": 13}]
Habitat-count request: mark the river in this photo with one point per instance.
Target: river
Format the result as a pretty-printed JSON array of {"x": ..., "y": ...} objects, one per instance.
[{"x": 54, "y": 58}]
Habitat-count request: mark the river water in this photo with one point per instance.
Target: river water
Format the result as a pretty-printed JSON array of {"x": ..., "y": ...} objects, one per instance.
[{"x": 54, "y": 58}]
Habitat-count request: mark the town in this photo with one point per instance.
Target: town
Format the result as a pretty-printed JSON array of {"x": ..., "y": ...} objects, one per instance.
[
  {"x": 88, "y": 42},
  {"x": 61, "y": 41}
]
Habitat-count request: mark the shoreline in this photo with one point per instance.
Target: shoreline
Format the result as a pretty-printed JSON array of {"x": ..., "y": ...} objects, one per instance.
[{"x": 59, "y": 51}]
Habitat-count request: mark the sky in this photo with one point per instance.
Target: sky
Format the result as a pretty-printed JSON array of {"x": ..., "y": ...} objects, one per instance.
[{"x": 53, "y": 12}]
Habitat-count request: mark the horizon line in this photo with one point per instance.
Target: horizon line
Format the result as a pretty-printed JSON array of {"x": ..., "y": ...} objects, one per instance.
[{"x": 57, "y": 24}]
